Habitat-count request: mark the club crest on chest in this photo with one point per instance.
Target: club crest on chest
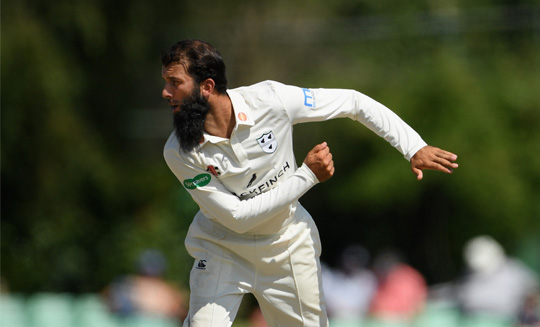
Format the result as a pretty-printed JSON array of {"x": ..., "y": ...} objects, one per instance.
[{"x": 268, "y": 142}]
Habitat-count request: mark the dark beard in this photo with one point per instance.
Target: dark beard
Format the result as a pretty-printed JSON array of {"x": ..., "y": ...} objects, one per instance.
[{"x": 189, "y": 121}]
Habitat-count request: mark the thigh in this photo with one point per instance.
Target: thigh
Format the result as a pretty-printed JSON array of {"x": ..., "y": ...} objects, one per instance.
[
  {"x": 216, "y": 280},
  {"x": 291, "y": 294},
  {"x": 212, "y": 312},
  {"x": 214, "y": 296}
]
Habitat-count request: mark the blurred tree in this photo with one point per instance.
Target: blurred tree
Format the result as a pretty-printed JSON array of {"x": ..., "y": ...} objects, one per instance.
[
  {"x": 84, "y": 185},
  {"x": 75, "y": 190}
]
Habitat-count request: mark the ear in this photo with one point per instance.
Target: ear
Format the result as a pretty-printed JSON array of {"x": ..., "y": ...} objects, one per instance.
[{"x": 207, "y": 87}]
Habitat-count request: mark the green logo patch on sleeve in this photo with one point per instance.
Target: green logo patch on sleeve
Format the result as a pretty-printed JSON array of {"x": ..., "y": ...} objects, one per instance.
[{"x": 198, "y": 181}]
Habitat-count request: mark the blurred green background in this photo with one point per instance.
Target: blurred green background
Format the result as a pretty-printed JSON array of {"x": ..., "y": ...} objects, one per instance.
[{"x": 85, "y": 188}]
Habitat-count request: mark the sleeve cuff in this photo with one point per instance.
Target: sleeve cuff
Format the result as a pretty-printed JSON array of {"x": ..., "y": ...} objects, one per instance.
[
  {"x": 305, "y": 171},
  {"x": 415, "y": 149}
]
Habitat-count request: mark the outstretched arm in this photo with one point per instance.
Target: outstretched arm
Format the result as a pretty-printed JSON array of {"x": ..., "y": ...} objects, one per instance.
[{"x": 430, "y": 157}]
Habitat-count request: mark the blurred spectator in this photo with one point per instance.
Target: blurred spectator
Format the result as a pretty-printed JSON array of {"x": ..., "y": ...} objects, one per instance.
[
  {"x": 349, "y": 289},
  {"x": 401, "y": 291},
  {"x": 146, "y": 293},
  {"x": 4, "y": 287},
  {"x": 495, "y": 284},
  {"x": 256, "y": 318},
  {"x": 529, "y": 315}
]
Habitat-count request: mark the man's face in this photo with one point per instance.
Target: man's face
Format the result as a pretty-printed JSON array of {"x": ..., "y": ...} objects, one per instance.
[
  {"x": 189, "y": 107},
  {"x": 178, "y": 84}
]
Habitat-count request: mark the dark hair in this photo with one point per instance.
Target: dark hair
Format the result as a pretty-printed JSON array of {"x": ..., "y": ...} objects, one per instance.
[{"x": 201, "y": 61}]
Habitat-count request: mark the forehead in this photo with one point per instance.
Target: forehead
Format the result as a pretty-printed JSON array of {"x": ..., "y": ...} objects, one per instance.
[{"x": 174, "y": 70}]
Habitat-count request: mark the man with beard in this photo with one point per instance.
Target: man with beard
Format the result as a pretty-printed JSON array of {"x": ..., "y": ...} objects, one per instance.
[
  {"x": 194, "y": 110},
  {"x": 232, "y": 150}
]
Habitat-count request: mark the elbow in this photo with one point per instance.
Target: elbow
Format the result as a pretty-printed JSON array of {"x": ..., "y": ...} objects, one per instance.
[
  {"x": 240, "y": 228},
  {"x": 237, "y": 224},
  {"x": 240, "y": 220},
  {"x": 231, "y": 221}
]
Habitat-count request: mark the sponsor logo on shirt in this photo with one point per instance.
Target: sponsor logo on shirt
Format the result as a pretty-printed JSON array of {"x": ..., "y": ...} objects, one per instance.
[
  {"x": 242, "y": 116},
  {"x": 309, "y": 98},
  {"x": 253, "y": 178},
  {"x": 265, "y": 185},
  {"x": 214, "y": 170},
  {"x": 268, "y": 142},
  {"x": 197, "y": 181},
  {"x": 201, "y": 265}
]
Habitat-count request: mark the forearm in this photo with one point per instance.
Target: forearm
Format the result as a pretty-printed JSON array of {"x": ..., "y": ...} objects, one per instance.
[
  {"x": 243, "y": 215},
  {"x": 388, "y": 125}
]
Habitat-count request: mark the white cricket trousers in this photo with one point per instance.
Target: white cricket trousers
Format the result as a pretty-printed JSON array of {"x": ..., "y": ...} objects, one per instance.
[{"x": 281, "y": 270}]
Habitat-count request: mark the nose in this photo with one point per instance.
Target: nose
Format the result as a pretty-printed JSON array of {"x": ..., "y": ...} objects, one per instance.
[{"x": 166, "y": 94}]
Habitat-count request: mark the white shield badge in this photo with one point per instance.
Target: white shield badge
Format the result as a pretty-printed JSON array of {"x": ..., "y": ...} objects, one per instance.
[{"x": 268, "y": 142}]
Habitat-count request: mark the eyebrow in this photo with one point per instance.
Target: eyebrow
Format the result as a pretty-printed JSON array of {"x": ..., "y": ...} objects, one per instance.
[{"x": 167, "y": 75}]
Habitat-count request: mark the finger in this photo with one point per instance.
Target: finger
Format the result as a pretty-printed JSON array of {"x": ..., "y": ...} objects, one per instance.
[
  {"x": 323, "y": 154},
  {"x": 326, "y": 148},
  {"x": 418, "y": 173},
  {"x": 446, "y": 163},
  {"x": 442, "y": 168},
  {"x": 330, "y": 169},
  {"x": 447, "y": 155},
  {"x": 450, "y": 165},
  {"x": 329, "y": 156},
  {"x": 320, "y": 147}
]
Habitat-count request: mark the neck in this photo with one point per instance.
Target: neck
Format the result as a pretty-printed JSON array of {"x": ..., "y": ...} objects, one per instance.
[{"x": 220, "y": 120}]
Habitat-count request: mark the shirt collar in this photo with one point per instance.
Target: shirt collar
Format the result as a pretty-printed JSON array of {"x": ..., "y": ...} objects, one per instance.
[{"x": 242, "y": 114}]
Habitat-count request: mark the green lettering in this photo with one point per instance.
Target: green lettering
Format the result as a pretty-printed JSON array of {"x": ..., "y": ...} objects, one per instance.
[{"x": 198, "y": 181}]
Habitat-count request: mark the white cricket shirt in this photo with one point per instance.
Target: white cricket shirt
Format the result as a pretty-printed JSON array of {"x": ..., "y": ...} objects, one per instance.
[{"x": 250, "y": 183}]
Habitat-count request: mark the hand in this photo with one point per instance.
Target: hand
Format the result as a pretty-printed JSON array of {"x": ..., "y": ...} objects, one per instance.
[
  {"x": 319, "y": 160},
  {"x": 430, "y": 157}
]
